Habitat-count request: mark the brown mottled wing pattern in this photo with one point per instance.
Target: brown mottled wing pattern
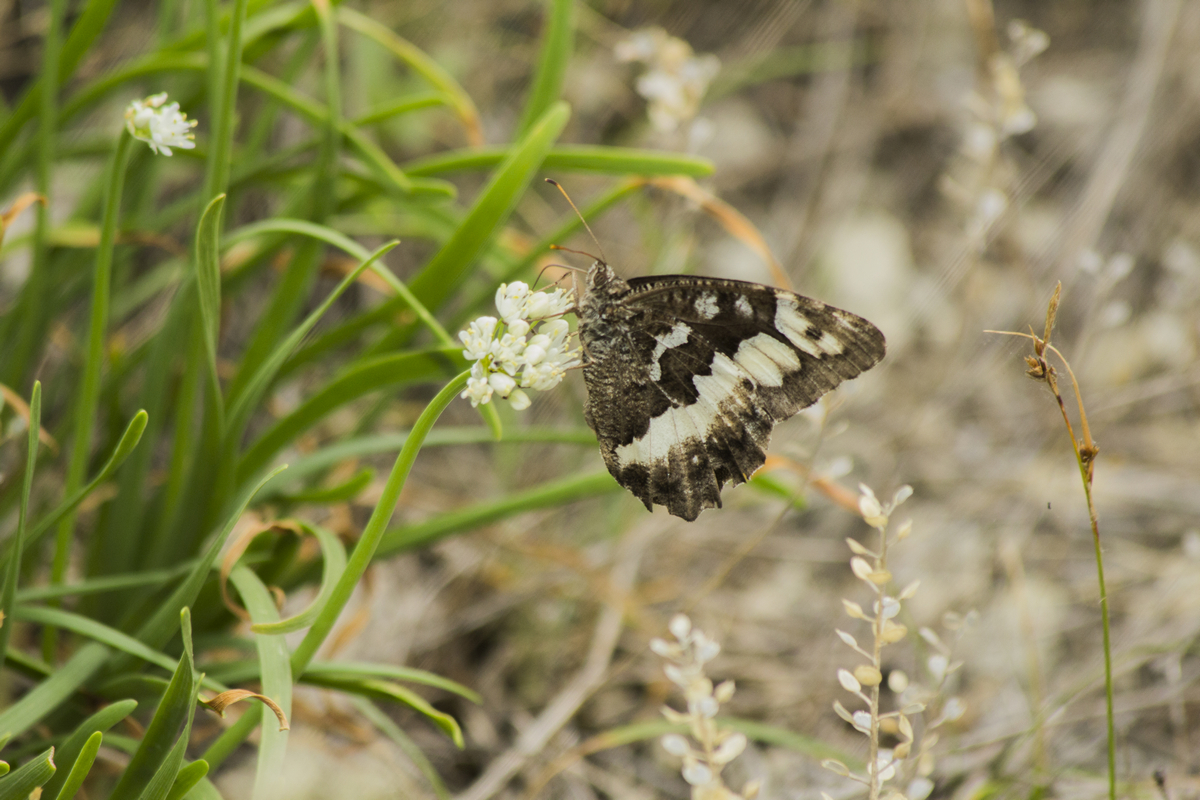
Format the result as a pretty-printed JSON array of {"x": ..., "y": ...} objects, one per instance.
[{"x": 686, "y": 377}]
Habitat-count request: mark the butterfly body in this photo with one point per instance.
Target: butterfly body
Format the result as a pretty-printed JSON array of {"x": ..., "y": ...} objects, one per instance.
[{"x": 687, "y": 376}]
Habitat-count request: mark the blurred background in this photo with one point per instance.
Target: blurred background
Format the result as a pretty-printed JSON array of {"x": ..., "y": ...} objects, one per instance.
[{"x": 935, "y": 166}]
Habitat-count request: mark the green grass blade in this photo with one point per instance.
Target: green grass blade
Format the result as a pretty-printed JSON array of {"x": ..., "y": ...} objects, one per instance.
[
  {"x": 167, "y": 775},
  {"x": 364, "y": 550},
  {"x": 558, "y": 43},
  {"x": 220, "y": 154},
  {"x": 360, "y": 379},
  {"x": 87, "y": 400},
  {"x": 276, "y": 672},
  {"x": 81, "y": 766},
  {"x": 337, "y": 239},
  {"x": 446, "y": 271},
  {"x": 71, "y": 749},
  {"x": 158, "y": 629},
  {"x": 128, "y": 441},
  {"x": 333, "y": 559},
  {"x": 177, "y": 705},
  {"x": 44, "y": 698},
  {"x": 13, "y": 573},
  {"x": 108, "y": 583},
  {"x": 256, "y": 385},
  {"x": 21, "y": 782},
  {"x": 208, "y": 289},
  {"x": 188, "y": 778},
  {"x": 547, "y": 495},
  {"x": 203, "y": 790},
  {"x": 346, "y": 670},
  {"x": 394, "y": 732},
  {"x": 387, "y": 690},
  {"x": 570, "y": 158},
  {"x": 98, "y": 631},
  {"x": 399, "y": 107},
  {"x": 422, "y": 64}
]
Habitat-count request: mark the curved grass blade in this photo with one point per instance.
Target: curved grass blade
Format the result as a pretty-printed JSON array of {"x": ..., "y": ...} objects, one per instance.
[
  {"x": 557, "y": 46},
  {"x": 353, "y": 670},
  {"x": 80, "y": 767},
  {"x": 396, "y": 108},
  {"x": 445, "y": 272},
  {"x": 13, "y": 573},
  {"x": 71, "y": 749},
  {"x": 388, "y": 690},
  {"x": 23, "y": 781},
  {"x": 333, "y": 557},
  {"x": 364, "y": 550},
  {"x": 276, "y": 672},
  {"x": 570, "y": 158},
  {"x": 255, "y": 386},
  {"x": 552, "y": 493},
  {"x": 337, "y": 239},
  {"x": 178, "y": 705},
  {"x": 128, "y": 441}
]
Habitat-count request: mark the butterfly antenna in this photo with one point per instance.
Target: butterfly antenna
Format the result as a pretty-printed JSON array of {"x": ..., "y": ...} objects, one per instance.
[
  {"x": 542, "y": 271},
  {"x": 556, "y": 185}
]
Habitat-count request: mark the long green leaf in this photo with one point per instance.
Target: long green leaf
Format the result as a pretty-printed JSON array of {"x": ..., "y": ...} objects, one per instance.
[
  {"x": 257, "y": 384},
  {"x": 208, "y": 290},
  {"x": 80, "y": 767},
  {"x": 333, "y": 559},
  {"x": 558, "y": 42},
  {"x": 570, "y": 158},
  {"x": 364, "y": 550},
  {"x": 129, "y": 440},
  {"x": 446, "y": 271},
  {"x": 71, "y": 749},
  {"x": 44, "y": 698},
  {"x": 276, "y": 673},
  {"x": 388, "y": 690},
  {"x": 18, "y": 784},
  {"x": 13, "y": 573},
  {"x": 177, "y": 705}
]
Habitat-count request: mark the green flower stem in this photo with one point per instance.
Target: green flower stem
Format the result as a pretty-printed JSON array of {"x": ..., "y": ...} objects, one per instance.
[
  {"x": 360, "y": 559},
  {"x": 88, "y": 398}
]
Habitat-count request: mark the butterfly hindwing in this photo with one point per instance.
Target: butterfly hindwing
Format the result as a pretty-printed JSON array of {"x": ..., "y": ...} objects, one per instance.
[{"x": 687, "y": 376}]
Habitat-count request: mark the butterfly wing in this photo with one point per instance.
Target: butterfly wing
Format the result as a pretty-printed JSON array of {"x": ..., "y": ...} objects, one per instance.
[{"x": 689, "y": 376}]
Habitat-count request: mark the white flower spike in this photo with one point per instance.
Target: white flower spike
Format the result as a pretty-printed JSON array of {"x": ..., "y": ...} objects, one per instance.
[{"x": 160, "y": 124}]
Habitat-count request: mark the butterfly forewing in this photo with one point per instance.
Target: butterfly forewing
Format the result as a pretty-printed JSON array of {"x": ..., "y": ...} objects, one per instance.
[{"x": 687, "y": 376}]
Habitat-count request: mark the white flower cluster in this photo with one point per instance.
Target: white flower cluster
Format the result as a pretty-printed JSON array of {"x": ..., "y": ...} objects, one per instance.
[
  {"x": 523, "y": 349},
  {"x": 160, "y": 124},
  {"x": 676, "y": 78},
  {"x": 702, "y": 765}
]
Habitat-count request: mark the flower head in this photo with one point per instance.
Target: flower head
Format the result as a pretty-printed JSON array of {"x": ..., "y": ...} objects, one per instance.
[
  {"x": 521, "y": 350},
  {"x": 160, "y": 124}
]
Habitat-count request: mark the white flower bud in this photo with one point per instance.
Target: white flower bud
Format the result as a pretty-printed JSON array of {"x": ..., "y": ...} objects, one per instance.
[
  {"x": 503, "y": 384},
  {"x": 676, "y": 745},
  {"x": 848, "y": 681},
  {"x": 518, "y": 400}
]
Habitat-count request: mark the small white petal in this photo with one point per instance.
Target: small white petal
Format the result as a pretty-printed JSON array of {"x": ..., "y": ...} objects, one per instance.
[
  {"x": 848, "y": 681},
  {"x": 519, "y": 400},
  {"x": 676, "y": 745},
  {"x": 696, "y": 774},
  {"x": 680, "y": 626}
]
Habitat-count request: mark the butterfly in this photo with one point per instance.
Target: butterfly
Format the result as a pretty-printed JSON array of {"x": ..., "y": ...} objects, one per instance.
[{"x": 687, "y": 376}]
